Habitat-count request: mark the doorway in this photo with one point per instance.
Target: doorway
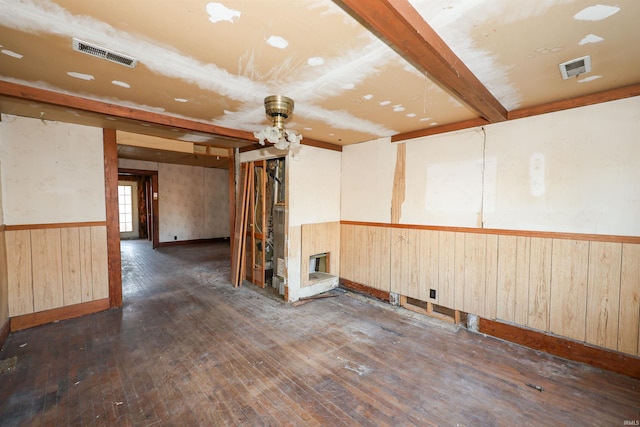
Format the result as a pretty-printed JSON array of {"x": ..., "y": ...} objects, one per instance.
[{"x": 143, "y": 187}]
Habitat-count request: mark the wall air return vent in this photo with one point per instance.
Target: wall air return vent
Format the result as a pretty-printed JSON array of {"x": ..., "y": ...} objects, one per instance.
[
  {"x": 104, "y": 53},
  {"x": 575, "y": 67}
]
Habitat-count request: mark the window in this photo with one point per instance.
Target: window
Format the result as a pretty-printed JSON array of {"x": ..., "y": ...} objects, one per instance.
[{"x": 125, "y": 206}]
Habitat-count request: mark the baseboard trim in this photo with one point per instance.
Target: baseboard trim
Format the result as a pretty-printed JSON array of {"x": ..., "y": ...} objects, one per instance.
[
  {"x": 31, "y": 320},
  {"x": 4, "y": 333},
  {"x": 376, "y": 293},
  {"x": 194, "y": 241},
  {"x": 569, "y": 349}
]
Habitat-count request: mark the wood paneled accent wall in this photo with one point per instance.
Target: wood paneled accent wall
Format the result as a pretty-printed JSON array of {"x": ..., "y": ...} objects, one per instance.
[
  {"x": 55, "y": 265},
  {"x": 584, "y": 288},
  {"x": 320, "y": 238}
]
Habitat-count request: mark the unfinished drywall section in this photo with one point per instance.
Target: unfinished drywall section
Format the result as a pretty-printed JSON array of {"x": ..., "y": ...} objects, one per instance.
[
  {"x": 367, "y": 181},
  {"x": 51, "y": 172},
  {"x": 193, "y": 202},
  {"x": 572, "y": 171}
]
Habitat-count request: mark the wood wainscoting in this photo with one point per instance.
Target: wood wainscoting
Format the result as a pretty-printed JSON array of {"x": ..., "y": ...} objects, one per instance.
[
  {"x": 55, "y": 265},
  {"x": 582, "y": 287}
]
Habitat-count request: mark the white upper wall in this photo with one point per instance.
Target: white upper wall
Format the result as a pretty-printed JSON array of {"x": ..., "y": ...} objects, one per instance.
[
  {"x": 574, "y": 171},
  {"x": 51, "y": 172},
  {"x": 314, "y": 185},
  {"x": 367, "y": 181}
]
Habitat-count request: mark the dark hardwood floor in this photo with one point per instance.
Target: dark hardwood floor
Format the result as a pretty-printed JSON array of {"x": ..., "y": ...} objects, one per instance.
[{"x": 189, "y": 349}]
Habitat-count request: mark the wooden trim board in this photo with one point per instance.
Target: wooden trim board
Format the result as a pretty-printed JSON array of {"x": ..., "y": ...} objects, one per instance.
[
  {"x": 569, "y": 349},
  {"x": 193, "y": 241},
  {"x": 523, "y": 233},
  {"x": 54, "y": 225},
  {"x": 63, "y": 313},
  {"x": 367, "y": 290}
]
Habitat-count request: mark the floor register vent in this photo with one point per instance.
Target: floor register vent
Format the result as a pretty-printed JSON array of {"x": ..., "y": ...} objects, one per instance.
[{"x": 104, "y": 53}]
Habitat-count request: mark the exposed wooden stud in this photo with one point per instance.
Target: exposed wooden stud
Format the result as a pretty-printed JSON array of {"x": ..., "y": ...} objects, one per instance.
[
  {"x": 399, "y": 177},
  {"x": 405, "y": 29}
]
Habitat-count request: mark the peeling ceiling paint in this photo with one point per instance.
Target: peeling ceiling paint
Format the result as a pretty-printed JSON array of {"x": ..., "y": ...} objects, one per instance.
[{"x": 596, "y": 13}]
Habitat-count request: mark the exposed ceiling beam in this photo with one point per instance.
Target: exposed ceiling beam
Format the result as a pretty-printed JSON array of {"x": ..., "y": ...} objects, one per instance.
[
  {"x": 405, "y": 30},
  {"x": 93, "y": 106}
]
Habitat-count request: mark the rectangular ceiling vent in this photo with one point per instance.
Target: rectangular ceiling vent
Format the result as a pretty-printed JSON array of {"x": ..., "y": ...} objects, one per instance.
[
  {"x": 575, "y": 67},
  {"x": 104, "y": 53}
]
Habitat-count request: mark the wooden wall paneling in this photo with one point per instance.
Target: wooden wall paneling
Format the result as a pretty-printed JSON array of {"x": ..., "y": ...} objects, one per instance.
[
  {"x": 405, "y": 254},
  {"x": 348, "y": 255},
  {"x": 506, "y": 294},
  {"x": 446, "y": 268},
  {"x": 459, "y": 267},
  {"x": 47, "y": 269},
  {"x": 86, "y": 277},
  {"x": 539, "y": 283},
  {"x": 569, "y": 288},
  {"x": 491, "y": 291},
  {"x": 317, "y": 239},
  {"x": 99, "y": 263},
  {"x": 603, "y": 294},
  {"x": 20, "y": 279},
  {"x": 428, "y": 265},
  {"x": 629, "y": 314},
  {"x": 71, "y": 266},
  {"x": 521, "y": 300},
  {"x": 475, "y": 273},
  {"x": 379, "y": 243}
]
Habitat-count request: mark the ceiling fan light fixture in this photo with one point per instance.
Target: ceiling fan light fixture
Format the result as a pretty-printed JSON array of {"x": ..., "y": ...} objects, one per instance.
[{"x": 278, "y": 108}]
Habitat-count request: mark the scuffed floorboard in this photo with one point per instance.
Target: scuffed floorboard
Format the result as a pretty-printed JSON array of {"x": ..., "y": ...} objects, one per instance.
[{"x": 189, "y": 349}]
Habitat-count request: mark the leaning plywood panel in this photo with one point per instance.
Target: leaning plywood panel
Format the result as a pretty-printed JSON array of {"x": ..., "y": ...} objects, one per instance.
[
  {"x": 475, "y": 256},
  {"x": 20, "y": 280},
  {"x": 428, "y": 265},
  {"x": 539, "y": 283},
  {"x": 569, "y": 288},
  {"x": 629, "y": 328},
  {"x": 446, "y": 268},
  {"x": 71, "y": 270},
  {"x": 47, "y": 269},
  {"x": 99, "y": 263},
  {"x": 507, "y": 250},
  {"x": 86, "y": 278},
  {"x": 523, "y": 253},
  {"x": 405, "y": 254}
]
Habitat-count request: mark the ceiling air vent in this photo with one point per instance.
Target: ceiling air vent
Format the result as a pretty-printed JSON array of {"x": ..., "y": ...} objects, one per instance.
[
  {"x": 575, "y": 67},
  {"x": 104, "y": 53}
]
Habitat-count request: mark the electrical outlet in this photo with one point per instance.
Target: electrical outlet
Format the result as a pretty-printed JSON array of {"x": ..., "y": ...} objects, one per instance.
[
  {"x": 175, "y": 237},
  {"x": 432, "y": 293}
]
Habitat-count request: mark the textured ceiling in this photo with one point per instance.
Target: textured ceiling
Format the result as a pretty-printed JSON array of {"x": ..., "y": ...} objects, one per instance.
[{"x": 354, "y": 75}]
